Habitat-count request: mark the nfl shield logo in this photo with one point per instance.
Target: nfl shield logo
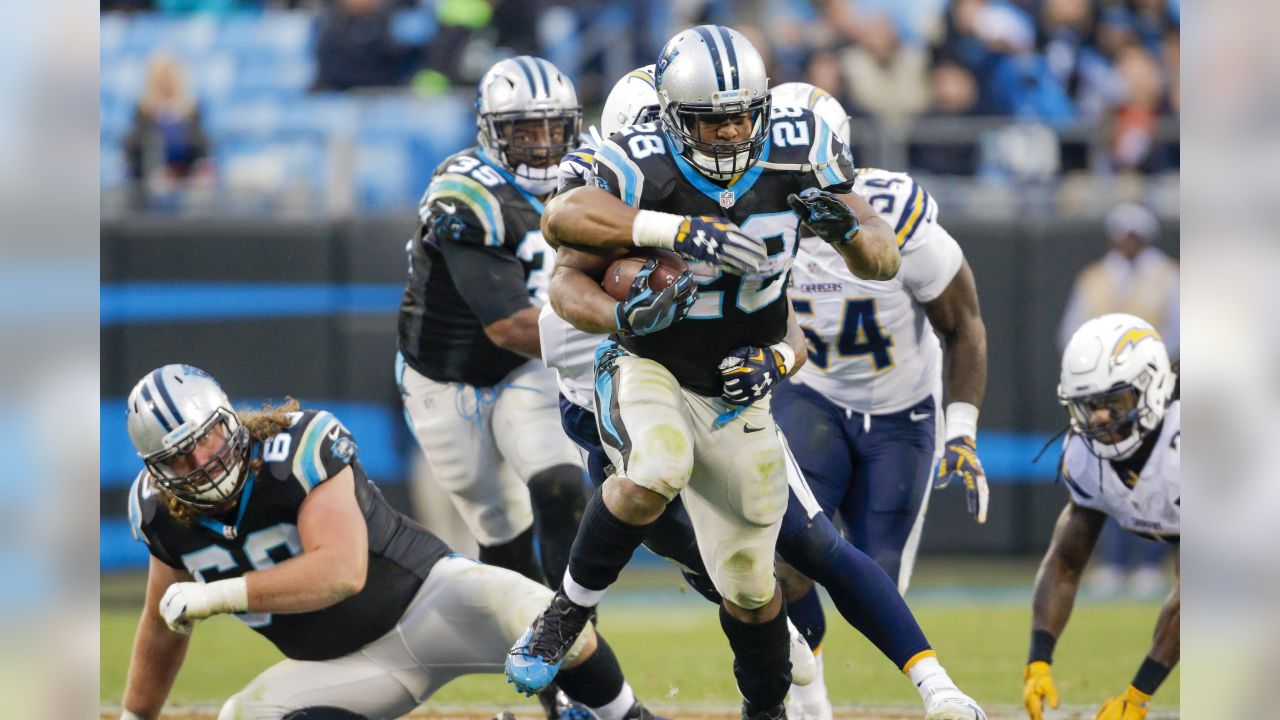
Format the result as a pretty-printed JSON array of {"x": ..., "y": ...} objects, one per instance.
[{"x": 726, "y": 198}]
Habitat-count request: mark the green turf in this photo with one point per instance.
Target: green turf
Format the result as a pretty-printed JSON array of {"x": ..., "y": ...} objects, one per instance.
[{"x": 673, "y": 652}]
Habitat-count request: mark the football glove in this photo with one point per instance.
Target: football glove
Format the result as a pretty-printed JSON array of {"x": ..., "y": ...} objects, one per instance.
[
  {"x": 826, "y": 215},
  {"x": 750, "y": 373},
  {"x": 719, "y": 242},
  {"x": 1130, "y": 706},
  {"x": 647, "y": 311},
  {"x": 185, "y": 602},
  {"x": 1038, "y": 689},
  {"x": 960, "y": 460}
]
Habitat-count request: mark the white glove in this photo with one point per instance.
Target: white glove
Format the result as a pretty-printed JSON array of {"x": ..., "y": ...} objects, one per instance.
[{"x": 185, "y": 602}]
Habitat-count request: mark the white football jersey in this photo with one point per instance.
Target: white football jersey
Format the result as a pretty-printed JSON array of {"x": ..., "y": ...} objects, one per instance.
[
  {"x": 572, "y": 354},
  {"x": 1153, "y": 506},
  {"x": 540, "y": 259},
  {"x": 871, "y": 347}
]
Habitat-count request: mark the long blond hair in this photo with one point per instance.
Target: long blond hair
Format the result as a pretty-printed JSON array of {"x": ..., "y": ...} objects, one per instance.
[{"x": 261, "y": 423}]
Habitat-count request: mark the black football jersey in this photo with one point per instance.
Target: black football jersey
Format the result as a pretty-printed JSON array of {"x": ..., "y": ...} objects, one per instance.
[
  {"x": 640, "y": 165},
  {"x": 262, "y": 530},
  {"x": 477, "y": 273}
]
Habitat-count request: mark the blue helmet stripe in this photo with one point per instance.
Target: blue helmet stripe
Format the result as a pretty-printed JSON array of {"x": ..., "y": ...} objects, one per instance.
[
  {"x": 542, "y": 71},
  {"x": 524, "y": 62},
  {"x": 158, "y": 379},
  {"x": 735, "y": 82},
  {"x": 155, "y": 410},
  {"x": 712, "y": 48}
]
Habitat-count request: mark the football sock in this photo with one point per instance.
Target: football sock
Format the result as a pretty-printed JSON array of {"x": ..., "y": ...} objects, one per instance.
[
  {"x": 619, "y": 707},
  {"x": 927, "y": 674},
  {"x": 603, "y": 547},
  {"x": 597, "y": 681},
  {"x": 558, "y": 500},
  {"x": 815, "y": 691},
  {"x": 761, "y": 659},
  {"x": 516, "y": 554},
  {"x": 862, "y": 592},
  {"x": 806, "y": 614}
]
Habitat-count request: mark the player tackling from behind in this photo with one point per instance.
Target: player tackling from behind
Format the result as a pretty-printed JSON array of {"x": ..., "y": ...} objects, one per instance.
[
  {"x": 269, "y": 515},
  {"x": 683, "y": 403},
  {"x": 1122, "y": 457}
]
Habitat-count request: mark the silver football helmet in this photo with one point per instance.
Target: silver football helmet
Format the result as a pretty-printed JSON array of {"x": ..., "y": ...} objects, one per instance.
[
  {"x": 172, "y": 411},
  {"x": 1116, "y": 383},
  {"x": 709, "y": 73},
  {"x": 632, "y": 101},
  {"x": 528, "y": 117},
  {"x": 822, "y": 103}
]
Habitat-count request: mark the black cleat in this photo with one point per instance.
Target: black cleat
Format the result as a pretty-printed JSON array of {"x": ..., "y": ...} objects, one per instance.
[
  {"x": 776, "y": 713},
  {"x": 639, "y": 712}
]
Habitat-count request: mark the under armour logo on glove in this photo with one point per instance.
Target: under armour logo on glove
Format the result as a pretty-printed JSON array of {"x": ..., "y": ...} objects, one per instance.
[
  {"x": 750, "y": 373},
  {"x": 960, "y": 460},
  {"x": 647, "y": 311},
  {"x": 720, "y": 242}
]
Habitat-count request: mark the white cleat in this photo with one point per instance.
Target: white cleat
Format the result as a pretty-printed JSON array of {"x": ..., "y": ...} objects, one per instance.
[
  {"x": 819, "y": 709},
  {"x": 951, "y": 704},
  {"x": 804, "y": 669}
]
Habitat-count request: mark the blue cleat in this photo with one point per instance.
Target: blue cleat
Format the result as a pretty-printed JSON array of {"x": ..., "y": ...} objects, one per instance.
[{"x": 535, "y": 658}]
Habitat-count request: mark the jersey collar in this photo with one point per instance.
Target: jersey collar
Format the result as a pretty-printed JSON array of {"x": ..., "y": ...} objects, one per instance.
[
  {"x": 231, "y": 531},
  {"x": 511, "y": 180},
  {"x": 738, "y": 187}
]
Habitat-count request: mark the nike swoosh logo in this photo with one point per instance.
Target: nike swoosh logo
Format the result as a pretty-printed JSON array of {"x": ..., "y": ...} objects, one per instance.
[
  {"x": 518, "y": 661},
  {"x": 447, "y": 207},
  {"x": 748, "y": 428},
  {"x": 918, "y": 417},
  {"x": 333, "y": 434}
]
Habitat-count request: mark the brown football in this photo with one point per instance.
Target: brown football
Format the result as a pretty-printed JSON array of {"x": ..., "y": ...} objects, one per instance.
[{"x": 617, "y": 280}]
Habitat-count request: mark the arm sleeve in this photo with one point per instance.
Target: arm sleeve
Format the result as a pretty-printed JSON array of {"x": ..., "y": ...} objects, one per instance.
[
  {"x": 490, "y": 279},
  {"x": 930, "y": 262}
]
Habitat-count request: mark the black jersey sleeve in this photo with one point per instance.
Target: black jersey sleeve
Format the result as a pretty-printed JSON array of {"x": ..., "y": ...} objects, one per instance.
[
  {"x": 800, "y": 140},
  {"x": 490, "y": 280},
  {"x": 462, "y": 208},
  {"x": 621, "y": 163},
  {"x": 315, "y": 448},
  {"x": 143, "y": 505}
]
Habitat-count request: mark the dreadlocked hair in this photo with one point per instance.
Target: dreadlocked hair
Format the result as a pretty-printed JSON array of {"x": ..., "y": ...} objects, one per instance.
[{"x": 262, "y": 423}]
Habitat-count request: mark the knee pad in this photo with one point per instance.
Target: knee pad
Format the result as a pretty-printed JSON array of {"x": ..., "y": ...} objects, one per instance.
[
  {"x": 323, "y": 713},
  {"x": 558, "y": 489},
  {"x": 745, "y": 577}
]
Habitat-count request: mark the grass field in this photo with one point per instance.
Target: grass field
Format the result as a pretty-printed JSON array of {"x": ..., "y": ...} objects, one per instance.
[{"x": 675, "y": 657}]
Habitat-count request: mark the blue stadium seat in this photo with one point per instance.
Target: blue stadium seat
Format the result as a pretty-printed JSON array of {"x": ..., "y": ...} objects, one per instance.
[
  {"x": 284, "y": 75},
  {"x": 414, "y": 27},
  {"x": 111, "y": 167},
  {"x": 283, "y": 34},
  {"x": 256, "y": 117},
  {"x": 382, "y": 174},
  {"x": 323, "y": 113}
]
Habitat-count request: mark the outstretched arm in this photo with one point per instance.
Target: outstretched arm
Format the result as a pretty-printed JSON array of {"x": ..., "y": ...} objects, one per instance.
[
  {"x": 1058, "y": 580},
  {"x": 873, "y": 253},
  {"x": 158, "y": 652}
]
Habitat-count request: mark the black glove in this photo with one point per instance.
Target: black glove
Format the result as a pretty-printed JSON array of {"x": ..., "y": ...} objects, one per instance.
[
  {"x": 647, "y": 311},
  {"x": 825, "y": 214}
]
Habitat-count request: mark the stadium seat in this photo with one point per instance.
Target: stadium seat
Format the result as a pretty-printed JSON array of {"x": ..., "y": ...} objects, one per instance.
[{"x": 413, "y": 27}]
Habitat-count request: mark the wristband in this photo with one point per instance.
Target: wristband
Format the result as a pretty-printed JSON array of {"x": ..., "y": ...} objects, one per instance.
[
  {"x": 655, "y": 229},
  {"x": 788, "y": 357},
  {"x": 962, "y": 421},
  {"x": 1042, "y": 644},
  {"x": 1150, "y": 675},
  {"x": 228, "y": 596}
]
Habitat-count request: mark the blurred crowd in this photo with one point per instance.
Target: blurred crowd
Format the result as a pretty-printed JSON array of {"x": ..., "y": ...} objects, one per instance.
[{"x": 1089, "y": 85}]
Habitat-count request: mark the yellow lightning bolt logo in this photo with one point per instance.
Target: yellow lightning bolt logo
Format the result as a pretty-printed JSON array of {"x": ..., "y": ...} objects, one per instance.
[{"x": 1131, "y": 338}]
